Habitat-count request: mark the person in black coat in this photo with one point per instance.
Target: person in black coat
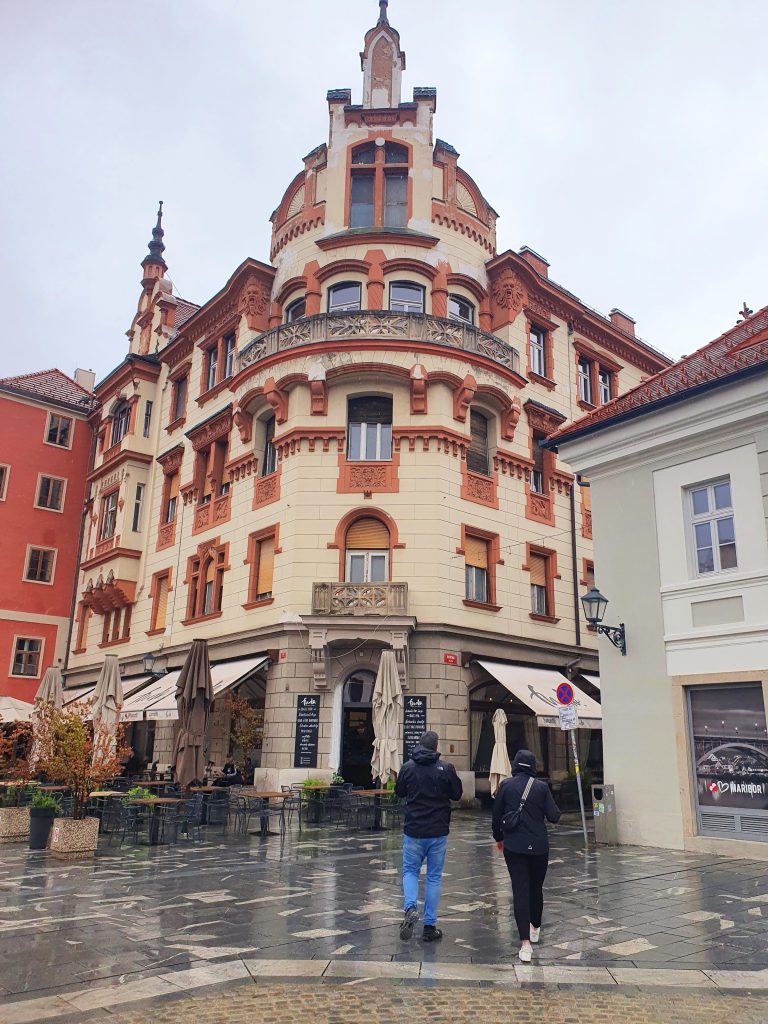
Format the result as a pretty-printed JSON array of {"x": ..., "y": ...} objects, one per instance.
[{"x": 526, "y": 847}]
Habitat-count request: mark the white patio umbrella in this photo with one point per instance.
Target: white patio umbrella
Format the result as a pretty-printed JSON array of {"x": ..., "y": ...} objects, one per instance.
[
  {"x": 14, "y": 710},
  {"x": 50, "y": 691},
  {"x": 500, "y": 767},
  {"x": 108, "y": 697},
  {"x": 387, "y": 715}
]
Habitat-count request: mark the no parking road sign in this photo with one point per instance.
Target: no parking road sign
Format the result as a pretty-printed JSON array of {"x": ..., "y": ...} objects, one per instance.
[{"x": 565, "y": 693}]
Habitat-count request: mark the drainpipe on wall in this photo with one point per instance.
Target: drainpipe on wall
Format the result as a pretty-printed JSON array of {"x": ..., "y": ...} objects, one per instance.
[
  {"x": 76, "y": 579},
  {"x": 574, "y": 563}
]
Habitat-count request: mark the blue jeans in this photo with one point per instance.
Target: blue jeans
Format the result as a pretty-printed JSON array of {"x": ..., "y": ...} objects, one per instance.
[{"x": 415, "y": 852}]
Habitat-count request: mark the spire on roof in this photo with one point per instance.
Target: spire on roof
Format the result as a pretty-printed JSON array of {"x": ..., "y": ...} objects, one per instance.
[
  {"x": 156, "y": 247},
  {"x": 383, "y": 63},
  {"x": 383, "y": 4}
]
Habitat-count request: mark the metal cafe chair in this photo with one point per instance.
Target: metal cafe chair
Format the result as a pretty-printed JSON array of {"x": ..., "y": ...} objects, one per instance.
[{"x": 291, "y": 803}]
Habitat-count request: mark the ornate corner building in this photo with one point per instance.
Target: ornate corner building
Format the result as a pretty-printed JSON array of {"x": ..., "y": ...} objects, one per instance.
[{"x": 339, "y": 452}]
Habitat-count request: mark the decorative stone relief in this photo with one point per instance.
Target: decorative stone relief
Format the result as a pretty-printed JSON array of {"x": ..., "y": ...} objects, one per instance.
[{"x": 509, "y": 292}]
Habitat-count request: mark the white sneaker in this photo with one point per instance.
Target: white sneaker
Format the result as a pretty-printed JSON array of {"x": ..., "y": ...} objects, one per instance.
[
  {"x": 535, "y": 933},
  {"x": 525, "y": 952}
]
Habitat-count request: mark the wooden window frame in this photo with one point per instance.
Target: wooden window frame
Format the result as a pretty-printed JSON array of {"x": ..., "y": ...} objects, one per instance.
[
  {"x": 4, "y": 478},
  {"x": 47, "y": 508},
  {"x": 37, "y": 547},
  {"x": 70, "y": 436},
  {"x": 116, "y": 627},
  {"x": 84, "y": 615},
  {"x": 363, "y": 441},
  {"x": 339, "y": 542},
  {"x": 113, "y": 492},
  {"x": 146, "y": 424},
  {"x": 41, "y": 655},
  {"x": 167, "y": 574},
  {"x": 494, "y": 560},
  {"x": 458, "y": 297},
  {"x": 552, "y": 574},
  {"x": 598, "y": 361},
  {"x": 252, "y": 560},
  {"x": 178, "y": 417},
  {"x": 547, "y": 329},
  {"x": 197, "y": 570},
  {"x": 378, "y": 170}
]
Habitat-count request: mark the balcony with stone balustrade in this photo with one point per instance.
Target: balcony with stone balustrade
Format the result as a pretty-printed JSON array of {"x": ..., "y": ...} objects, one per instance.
[{"x": 359, "y": 598}]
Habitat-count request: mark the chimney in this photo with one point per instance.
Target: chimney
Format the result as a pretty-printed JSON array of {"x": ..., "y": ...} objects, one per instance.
[
  {"x": 538, "y": 263},
  {"x": 86, "y": 379},
  {"x": 622, "y": 322}
]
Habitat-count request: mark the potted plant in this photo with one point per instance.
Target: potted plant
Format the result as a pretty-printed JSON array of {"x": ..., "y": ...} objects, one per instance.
[
  {"x": 42, "y": 811},
  {"x": 80, "y": 756},
  {"x": 314, "y": 792},
  {"x": 14, "y": 761}
]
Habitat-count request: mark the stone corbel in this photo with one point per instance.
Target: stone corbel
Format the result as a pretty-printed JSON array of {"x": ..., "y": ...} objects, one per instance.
[
  {"x": 399, "y": 641},
  {"x": 462, "y": 396},
  {"x": 277, "y": 398},
  {"x": 244, "y": 423},
  {"x": 419, "y": 378},
  {"x": 318, "y": 389},
  {"x": 254, "y": 303},
  {"x": 510, "y": 418},
  {"x": 317, "y": 650}
]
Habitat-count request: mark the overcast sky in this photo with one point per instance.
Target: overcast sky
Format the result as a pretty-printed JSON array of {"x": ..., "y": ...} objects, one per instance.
[{"x": 624, "y": 141}]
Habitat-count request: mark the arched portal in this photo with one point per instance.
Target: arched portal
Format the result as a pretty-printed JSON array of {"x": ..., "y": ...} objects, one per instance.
[{"x": 357, "y": 727}]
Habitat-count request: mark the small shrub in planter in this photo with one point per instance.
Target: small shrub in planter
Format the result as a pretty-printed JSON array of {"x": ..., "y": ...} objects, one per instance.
[
  {"x": 42, "y": 811},
  {"x": 14, "y": 763}
]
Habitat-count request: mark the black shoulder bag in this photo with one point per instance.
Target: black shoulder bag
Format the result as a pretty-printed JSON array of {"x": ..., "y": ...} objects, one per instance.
[{"x": 511, "y": 819}]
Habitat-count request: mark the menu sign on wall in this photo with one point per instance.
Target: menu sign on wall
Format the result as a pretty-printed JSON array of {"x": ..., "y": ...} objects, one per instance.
[
  {"x": 307, "y": 729},
  {"x": 414, "y": 723}
]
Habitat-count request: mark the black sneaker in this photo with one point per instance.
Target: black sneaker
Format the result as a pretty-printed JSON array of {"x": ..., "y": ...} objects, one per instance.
[
  {"x": 410, "y": 919},
  {"x": 431, "y": 933}
]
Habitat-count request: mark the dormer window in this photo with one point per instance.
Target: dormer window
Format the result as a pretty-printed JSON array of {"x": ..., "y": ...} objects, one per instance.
[
  {"x": 405, "y": 297},
  {"x": 344, "y": 297},
  {"x": 378, "y": 188}
]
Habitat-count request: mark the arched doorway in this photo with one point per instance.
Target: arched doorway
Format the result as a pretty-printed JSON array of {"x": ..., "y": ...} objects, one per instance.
[{"x": 357, "y": 727}]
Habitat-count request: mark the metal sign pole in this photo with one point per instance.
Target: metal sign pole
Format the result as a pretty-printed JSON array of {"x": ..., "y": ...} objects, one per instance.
[{"x": 575, "y": 753}]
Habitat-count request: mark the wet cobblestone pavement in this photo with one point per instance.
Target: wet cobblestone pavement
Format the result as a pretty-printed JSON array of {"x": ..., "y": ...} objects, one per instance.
[{"x": 322, "y": 908}]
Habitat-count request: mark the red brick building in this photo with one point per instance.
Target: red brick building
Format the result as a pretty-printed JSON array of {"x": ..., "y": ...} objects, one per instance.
[{"x": 45, "y": 447}]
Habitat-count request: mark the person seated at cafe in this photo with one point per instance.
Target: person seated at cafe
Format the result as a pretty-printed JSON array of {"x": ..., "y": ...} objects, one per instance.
[
  {"x": 135, "y": 764},
  {"x": 230, "y": 776}
]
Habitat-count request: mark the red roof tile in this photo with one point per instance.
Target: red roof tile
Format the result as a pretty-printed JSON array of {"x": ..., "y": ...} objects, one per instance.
[
  {"x": 743, "y": 346},
  {"x": 184, "y": 310},
  {"x": 50, "y": 385}
]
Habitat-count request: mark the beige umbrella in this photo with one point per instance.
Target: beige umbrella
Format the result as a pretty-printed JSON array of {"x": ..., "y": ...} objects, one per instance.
[
  {"x": 108, "y": 697},
  {"x": 387, "y": 715},
  {"x": 500, "y": 767},
  {"x": 194, "y": 696},
  {"x": 14, "y": 710},
  {"x": 50, "y": 691}
]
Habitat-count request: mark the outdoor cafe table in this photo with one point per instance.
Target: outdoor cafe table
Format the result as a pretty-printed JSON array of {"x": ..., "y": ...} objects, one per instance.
[
  {"x": 377, "y": 794},
  {"x": 266, "y": 795},
  {"x": 154, "y": 823}
]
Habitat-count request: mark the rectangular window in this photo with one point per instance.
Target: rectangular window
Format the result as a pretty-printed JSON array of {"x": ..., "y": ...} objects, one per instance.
[
  {"x": 476, "y": 569},
  {"x": 538, "y": 483},
  {"x": 121, "y": 420},
  {"x": 205, "y": 577},
  {"x": 460, "y": 309},
  {"x": 269, "y": 462},
  {"x": 344, "y": 298},
  {"x": 369, "y": 429},
  {"x": 211, "y": 360},
  {"x": 82, "y": 626},
  {"x": 396, "y": 199},
  {"x": 137, "y": 503},
  {"x": 40, "y": 562},
  {"x": 26, "y": 656},
  {"x": 585, "y": 380},
  {"x": 537, "y": 565},
  {"x": 604, "y": 386},
  {"x": 361, "y": 201},
  {"x": 589, "y": 576},
  {"x": 108, "y": 516},
  {"x": 4, "y": 473},
  {"x": 537, "y": 340},
  {"x": 710, "y": 516},
  {"x": 406, "y": 298},
  {"x": 179, "y": 398},
  {"x": 59, "y": 430},
  {"x": 160, "y": 601},
  {"x": 50, "y": 493},
  {"x": 147, "y": 419},
  {"x": 367, "y": 566},
  {"x": 264, "y": 556},
  {"x": 477, "y": 453},
  {"x": 229, "y": 355}
]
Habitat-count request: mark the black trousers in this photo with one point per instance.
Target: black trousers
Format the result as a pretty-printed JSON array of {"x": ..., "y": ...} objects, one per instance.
[{"x": 527, "y": 873}]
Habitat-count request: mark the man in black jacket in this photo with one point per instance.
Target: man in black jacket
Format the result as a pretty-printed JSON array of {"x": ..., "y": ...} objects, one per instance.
[
  {"x": 428, "y": 788},
  {"x": 526, "y": 847}
]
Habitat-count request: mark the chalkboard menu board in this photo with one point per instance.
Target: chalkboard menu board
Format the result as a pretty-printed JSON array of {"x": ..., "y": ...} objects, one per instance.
[
  {"x": 307, "y": 728},
  {"x": 414, "y": 723}
]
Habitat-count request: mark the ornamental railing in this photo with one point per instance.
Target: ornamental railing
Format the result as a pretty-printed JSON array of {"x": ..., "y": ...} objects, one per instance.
[
  {"x": 359, "y": 598},
  {"x": 379, "y": 326}
]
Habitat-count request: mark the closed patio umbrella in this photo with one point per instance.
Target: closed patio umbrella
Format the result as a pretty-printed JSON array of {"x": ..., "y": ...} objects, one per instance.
[
  {"x": 387, "y": 714},
  {"x": 194, "y": 696},
  {"x": 108, "y": 697},
  {"x": 50, "y": 691},
  {"x": 500, "y": 767}
]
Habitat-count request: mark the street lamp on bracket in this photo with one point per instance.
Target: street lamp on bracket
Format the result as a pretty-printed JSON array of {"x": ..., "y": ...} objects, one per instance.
[{"x": 594, "y": 609}]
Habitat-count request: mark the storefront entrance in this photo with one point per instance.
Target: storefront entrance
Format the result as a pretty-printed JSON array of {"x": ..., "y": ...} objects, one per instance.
[{"x": 357, "y": 728}]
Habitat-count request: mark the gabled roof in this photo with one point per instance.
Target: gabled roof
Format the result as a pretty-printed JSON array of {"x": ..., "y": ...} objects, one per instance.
[
  {"x": 50, "y": 386},
  {"x": 741, "y": 351},
  {"x": 184, "y": 310}
]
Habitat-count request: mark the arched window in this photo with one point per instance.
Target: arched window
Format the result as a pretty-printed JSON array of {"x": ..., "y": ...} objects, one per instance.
[
  {"x": 121, "y": 419},
  {"x": 406, "y": 297},
  {"x": 296, "y": 310},
  {"x": 358, "y": 688},
  {"x": 378, "y": 188},
  {"x": 369, "y": 430},
  {"x": 477, "y": 453},
  {"x": 460, "y": 309},
  {"x": 344, "y": 297},
  {"x": 367, "y": 551}
]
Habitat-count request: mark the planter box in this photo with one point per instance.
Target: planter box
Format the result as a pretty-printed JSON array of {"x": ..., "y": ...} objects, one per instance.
[
  {"x": 71, "y": 839},
  {"x": 40, "y": 823},
  {"x": 14, "y": 824}
]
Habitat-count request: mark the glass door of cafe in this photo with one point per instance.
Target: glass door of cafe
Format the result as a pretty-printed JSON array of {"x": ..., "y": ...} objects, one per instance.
[{"x": 357, "y": 728}]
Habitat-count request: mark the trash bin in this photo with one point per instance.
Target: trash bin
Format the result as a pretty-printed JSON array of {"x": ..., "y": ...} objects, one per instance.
[{"x": 604, "y": 808}]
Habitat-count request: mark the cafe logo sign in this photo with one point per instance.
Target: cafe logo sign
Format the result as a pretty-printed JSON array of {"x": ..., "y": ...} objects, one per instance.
[{"x": 742, "y": 788}]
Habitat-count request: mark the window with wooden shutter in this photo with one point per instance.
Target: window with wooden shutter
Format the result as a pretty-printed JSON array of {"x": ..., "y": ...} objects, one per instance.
[
  {"x": 589, "y": 576},
  {"x": 477, "y": 455},
  {"x": 476, "y": 552},
  {"x": 476, "y": 569},
  {"x": 161, "y": 602},
  {"x": 586, "y": 498},
  {"x": 367, "y": 534},
  {"x": 265, "y": 571}
]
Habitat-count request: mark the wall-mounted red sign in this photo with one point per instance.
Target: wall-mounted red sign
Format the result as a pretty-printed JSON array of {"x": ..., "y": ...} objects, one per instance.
[{"x": 450, "y": 659}]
